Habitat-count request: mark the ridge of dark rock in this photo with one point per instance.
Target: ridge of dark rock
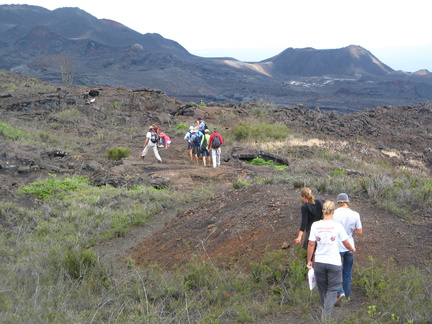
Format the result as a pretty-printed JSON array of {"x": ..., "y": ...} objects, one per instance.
[{"x": 41, "y": 43}]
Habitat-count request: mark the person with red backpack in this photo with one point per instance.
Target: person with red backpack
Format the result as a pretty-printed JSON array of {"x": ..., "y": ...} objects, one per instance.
[{"x": 214, "y": 143}]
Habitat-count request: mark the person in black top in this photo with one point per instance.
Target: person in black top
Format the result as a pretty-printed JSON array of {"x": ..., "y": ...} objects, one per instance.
[{"x": 311, "y": 211}]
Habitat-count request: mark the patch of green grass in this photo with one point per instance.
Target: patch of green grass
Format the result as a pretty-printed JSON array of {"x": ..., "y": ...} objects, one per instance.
[
  {"x": 9, "y": 87},
  {"x": 9, "y": 132},
  {"x": 47, "y": 189},
  {"x": 68, "y": 116},
  {"x": 260, "y": 131},
  {"x": 337, "y": 172},
  {"x": 270, "y": 163},
  {"x": 117, "y": 153}
]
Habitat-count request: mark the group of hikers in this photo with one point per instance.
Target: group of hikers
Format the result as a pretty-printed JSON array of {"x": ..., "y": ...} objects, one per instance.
[
  {"x": 199, "y": 143},
  {"x": 327, "y": 232}
]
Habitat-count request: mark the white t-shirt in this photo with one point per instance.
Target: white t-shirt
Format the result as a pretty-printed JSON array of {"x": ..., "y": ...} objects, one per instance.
[
  {"x": 350, "y": 221},
  {"x": 150, "y": 143},
  {"x": 327, "y": 234}
]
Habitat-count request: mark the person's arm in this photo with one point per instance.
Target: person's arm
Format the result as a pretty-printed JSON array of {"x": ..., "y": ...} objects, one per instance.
[
  {"x": 146, "y": 141},
  {"x": 310, "y": 252},
  {"x": 358, "y": 231},
  {"x": 348, "y": 245},
  {"x": 299, "y": 237},
  {"x": 303, "y": 224}
]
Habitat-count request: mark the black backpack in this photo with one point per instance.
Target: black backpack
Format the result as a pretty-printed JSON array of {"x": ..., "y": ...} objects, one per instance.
[
  {"x": 204, "y": 143},
  {"x": 216, "y": 143},
  {"x": 154, "y": 137}
]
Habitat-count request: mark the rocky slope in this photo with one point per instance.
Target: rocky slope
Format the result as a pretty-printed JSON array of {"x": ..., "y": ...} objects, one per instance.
[{"x": 73, "y": 127}]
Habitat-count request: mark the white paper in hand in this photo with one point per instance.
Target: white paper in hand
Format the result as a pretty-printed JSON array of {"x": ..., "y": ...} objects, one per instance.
[{"x": 311, "y": 277}]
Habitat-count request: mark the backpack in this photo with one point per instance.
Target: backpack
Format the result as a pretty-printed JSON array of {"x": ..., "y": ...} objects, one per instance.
[
  {"x": 204, "y": 143},
  {"x": 196, "y": 139},
  {"x": 154, "y": 137},
  {"x": 216, "y": 143}
]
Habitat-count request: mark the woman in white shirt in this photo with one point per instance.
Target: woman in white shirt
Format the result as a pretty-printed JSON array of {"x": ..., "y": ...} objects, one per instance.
[{"x": 325, "y": 235}]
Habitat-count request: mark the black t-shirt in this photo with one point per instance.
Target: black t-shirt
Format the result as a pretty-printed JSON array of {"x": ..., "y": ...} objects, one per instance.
[{"x": 311, "y": 213}]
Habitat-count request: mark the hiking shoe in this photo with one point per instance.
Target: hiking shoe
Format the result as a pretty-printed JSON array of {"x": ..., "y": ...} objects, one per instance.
[
  {"x": 339, "y": 299},
  {"x": 159, "y": 161},
  {"x": 142, "y": 157}
]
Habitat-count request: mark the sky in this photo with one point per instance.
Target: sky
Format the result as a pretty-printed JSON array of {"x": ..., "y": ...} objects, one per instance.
[{"x": 396, "y": 32}]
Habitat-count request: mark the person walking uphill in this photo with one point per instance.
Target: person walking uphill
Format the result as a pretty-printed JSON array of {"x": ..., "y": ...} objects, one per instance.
[
  {"x": 311, "y": 211},
  {"x": 151, "y": 141},
  {"x": 202, "y": 126},
  {"x": 204, "y": 148},
  {"x": 350, "y": 220},
  {"x": 215, "y": 142},
  {"x": 187, "y": 137},
  {"x": 324, "y": 237}
]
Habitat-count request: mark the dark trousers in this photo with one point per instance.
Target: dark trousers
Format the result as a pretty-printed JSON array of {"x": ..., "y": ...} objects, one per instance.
[{"x": 329, "y": 279}]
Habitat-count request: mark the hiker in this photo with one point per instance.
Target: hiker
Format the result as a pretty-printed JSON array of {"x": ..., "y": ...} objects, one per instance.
[
  {"x": 311, "y": 211},
  {"x": 351, "y": 222},
  {"x": 151, "y": 142},
  {"x": 204, "y": 149},
  {"x": 202, "y": 126},
  {"x": 215, "y": 142},
  {"x": 324, "y": 237},
  {"x": 165, "y": 139},
  {"x": 196, "y": 144},
  {"x": 188, "y": 137},
  {"x": 155, "y": 128}
]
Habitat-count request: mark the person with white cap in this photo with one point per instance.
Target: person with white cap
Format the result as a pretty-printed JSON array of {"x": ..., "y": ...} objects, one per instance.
[
  {"x": 151, "y": 141},
  {"x": 351, "y": 222},
  {"x": 188, "y": 138}
]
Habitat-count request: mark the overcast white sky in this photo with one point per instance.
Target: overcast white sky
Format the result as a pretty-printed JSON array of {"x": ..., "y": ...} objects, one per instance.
[{"x": 396, "y": 32}]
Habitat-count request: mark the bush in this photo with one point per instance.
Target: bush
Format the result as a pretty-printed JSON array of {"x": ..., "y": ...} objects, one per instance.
[
  {"x": 117, "y": 153},
  {"x": 45, "y": 189},
  {"x": 260, "y": 161},
  {"x": 9, "y": 132},
  {"x": 259, "y": 131}
]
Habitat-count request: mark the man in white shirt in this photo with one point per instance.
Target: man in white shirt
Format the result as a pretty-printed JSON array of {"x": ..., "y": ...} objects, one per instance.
[{"x": 351, "y": 222}]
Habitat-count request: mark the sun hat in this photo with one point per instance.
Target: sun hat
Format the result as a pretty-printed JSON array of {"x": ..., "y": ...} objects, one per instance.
[
  {"x": 199, "y": 118},
  {"x": 343, "y": 197},
  {"x": 207, "y": 131},
  {"x": 191, "y": 128}
]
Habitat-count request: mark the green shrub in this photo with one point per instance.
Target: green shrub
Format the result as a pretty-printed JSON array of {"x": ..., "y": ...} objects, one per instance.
[
  {"x": 68, "y": 116},
  {"x": 260, "y": 161},
  {"x": 78, "y": 261},
  {"x": 45, "y": 189},
  {"x": 395, "y": 293},
  {"x": 337, "y": 172},
  {"x": 117, "y": 153},
  {"x": 259, "y": 131},
  {"x": 9, "y": 132},
  {"x": 9, "y": 87}
]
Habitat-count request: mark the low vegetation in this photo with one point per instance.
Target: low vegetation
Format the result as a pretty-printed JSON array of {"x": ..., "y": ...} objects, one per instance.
[{"x": 49, "y": 272}]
